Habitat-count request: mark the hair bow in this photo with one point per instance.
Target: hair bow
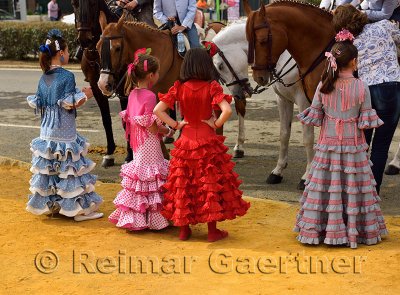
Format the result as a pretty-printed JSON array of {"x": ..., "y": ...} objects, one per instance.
[
  {"x": 343, "y": 36},
  {"x": 54, "y": 33},
  {"x": 43, "y": 48},
  {"x": 211, "y": 48},
  {"x": 138, "y": 53},
  {"x": 332, "y": 61}
]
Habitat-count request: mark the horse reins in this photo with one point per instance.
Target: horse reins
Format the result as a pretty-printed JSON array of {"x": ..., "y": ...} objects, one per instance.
[{"x": 244, "y": 83}]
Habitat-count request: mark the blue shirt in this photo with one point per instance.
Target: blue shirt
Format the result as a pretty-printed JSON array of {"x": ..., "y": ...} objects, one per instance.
[{"x": 185, "y": 9}]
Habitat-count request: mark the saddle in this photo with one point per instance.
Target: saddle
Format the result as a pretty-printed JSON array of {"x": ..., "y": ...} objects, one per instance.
[{"x": 168, "y": 25}]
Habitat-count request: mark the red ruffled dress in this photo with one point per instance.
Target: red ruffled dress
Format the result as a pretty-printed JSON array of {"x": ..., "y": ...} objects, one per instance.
[{"x": 201, "y": 186}]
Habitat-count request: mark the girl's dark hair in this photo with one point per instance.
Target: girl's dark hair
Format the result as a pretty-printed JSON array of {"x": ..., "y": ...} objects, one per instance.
[
  {"x": 343, "y": 52},
  {"x": 347, "y": 17},
  {"x": 198, "y": 64},
  {"x": 45, "y": 56},
  {"x": 139, "y": 73}
]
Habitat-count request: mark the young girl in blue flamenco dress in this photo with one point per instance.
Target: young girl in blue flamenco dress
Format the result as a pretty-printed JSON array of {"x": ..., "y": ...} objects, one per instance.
[{"x": 61, "y": 182}]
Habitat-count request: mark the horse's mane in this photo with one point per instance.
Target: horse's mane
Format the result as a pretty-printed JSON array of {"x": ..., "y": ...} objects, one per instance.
[
  {"x": 292, "y": 3},
  {"x": 143, "y": 25}
]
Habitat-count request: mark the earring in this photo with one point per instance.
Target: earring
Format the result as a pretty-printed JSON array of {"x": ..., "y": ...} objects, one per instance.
[
  {"x": 62, "y": 58},
  {"x": 151, "y": 84}
]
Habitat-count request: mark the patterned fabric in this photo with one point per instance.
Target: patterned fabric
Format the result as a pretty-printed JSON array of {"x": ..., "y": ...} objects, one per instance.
[
  {"x": 61, "y": 181},
  {"x": 340, "y": 204},
  {"x": 139, "y": 202},
  {"x": 202, "y": 186},
  {"x": 377, "y": 53}
]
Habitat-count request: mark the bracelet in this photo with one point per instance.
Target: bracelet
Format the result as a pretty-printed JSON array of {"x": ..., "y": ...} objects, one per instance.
[
  {"x": 169, "y": 132},
  {"x": 216, "y": 127},
  {"x": 177, "y": 123}
]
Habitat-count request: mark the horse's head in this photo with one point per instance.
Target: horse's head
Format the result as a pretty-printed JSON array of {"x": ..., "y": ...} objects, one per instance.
[
  {"x": 267, "y": 41},
  {"x": 86, "y": 20},
  {"x": 112, "y": 53},
  {"x": 233, "y": 70}
]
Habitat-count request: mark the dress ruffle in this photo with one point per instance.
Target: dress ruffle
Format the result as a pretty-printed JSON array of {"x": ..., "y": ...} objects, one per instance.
[
  {"x": 62, "y": 168},
  {"x": 140, "y": 202},
  {"x": 218, "y": 95},
  {"x": 201, "y": 185},
  {"x": 170, "y": 97},
  {"x": 70, "y": 99},
  {"x": 311, "y": 116},
  {"x": 82, "y": 204},
  {"x": 339, "y": 205},
  {"x": 368, "y": 119},
  {"x": 60, "y": 149},
  {"x": 70, "y": 187},
  {"x": 34, "y": 101}
]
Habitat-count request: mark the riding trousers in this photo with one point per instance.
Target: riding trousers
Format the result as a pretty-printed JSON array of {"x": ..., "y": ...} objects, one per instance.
[{"x": 385, "y": 99}]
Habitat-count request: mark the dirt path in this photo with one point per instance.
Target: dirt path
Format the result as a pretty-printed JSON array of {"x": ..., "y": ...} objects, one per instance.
[{"x": 258, "y": 257}]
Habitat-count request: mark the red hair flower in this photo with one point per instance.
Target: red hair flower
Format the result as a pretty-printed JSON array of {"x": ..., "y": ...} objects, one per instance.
[
  {"x": 344, "y": 35},
  {"x": 211, "y": 48}
]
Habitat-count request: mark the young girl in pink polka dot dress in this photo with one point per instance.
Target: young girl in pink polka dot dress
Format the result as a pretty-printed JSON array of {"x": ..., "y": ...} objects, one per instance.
[{"x": 139, "y": 202}]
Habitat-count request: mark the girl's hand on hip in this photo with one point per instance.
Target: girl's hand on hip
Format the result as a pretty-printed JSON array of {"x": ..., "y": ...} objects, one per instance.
[
  {"x": 181, "y": 125},
  {"x": 88, "y": 92},
  {"x": 210, "y": 122}
]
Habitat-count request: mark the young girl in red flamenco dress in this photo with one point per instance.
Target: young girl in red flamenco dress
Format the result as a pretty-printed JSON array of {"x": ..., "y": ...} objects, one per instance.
[
  {"x": 201, "y": 186},
  {"x": 140, "y": 201}
]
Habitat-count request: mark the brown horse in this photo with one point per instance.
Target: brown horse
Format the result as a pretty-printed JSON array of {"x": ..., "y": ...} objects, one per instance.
[{"x": 303, "y": 29}]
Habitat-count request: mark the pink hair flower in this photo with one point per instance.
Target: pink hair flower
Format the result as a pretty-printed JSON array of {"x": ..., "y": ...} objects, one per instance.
[{"x": 343, "y": 36}]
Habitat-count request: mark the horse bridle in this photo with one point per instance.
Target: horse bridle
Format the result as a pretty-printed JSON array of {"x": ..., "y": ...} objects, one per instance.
[
  {"x": 81, "y": 21},
  {"x": 271, "y": 67},
  {"x": 244, "y": 83}
]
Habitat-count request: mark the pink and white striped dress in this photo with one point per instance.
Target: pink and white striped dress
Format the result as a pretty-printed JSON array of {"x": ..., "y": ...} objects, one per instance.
[
  {"x": 140, "y": 201},
  {"x": 340, "y": 204}
]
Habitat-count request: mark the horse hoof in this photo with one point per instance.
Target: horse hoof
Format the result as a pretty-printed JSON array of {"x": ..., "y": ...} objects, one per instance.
[
  {"x": 301, "y": 186},
  {"x": 238, "y": 154},
  {"x": 391, "y": 170},
  {"x": 128, "y": 159},
  {"x": 108, "y": 161},
  {"x": 274, "y": 179}
]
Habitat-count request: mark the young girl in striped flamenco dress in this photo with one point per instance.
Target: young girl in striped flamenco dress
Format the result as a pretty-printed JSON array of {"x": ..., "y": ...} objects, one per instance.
[{"x": 339, "y": 205}]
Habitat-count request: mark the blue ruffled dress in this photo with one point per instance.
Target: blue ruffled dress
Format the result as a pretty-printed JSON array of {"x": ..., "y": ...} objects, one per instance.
[{"x": 61, "y": 181}]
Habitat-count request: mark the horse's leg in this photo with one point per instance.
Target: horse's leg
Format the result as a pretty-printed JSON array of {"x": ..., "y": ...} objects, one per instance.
[
  {"x": 238, "y": 150},
  {"x": 123, "y": 100},
  {"x": 285, "y": 114},
  {"x": 394, "y": 165},
  {"x": 102, "y": 102},
  {"x": 308, "y": 139}
]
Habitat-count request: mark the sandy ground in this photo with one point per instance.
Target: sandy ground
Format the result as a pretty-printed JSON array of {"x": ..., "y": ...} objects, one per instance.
[{"x": 260, "y": 256}]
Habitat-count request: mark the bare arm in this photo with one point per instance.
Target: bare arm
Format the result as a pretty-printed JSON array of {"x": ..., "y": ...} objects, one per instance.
[
  {"x": 226, "y": 113},
  {"x": 161, "y": 112}
]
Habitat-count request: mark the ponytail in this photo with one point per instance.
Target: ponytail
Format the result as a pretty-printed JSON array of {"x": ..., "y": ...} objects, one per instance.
[
  {"x": 328, "y": 78},
  {"x": 138, "y": 70},
  {"x": 54, "y": 43}
]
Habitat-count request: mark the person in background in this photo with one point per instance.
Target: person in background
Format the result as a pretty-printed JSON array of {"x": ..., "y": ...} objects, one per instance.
[
  {"x": 182, "y": 12},
  {"x": 377, "y": 10},
  {"x": 52, "y": 10},
  {"x": 141, "y": 10},
  {"x": 332, "y": 4},
  {"x": 377, "y": 45}
]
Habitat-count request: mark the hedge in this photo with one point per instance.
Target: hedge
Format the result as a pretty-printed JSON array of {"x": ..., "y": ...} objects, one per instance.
[{"x": 21, "y": 40}]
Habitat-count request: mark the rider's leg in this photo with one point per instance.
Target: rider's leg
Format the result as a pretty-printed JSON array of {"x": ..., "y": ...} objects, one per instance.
[{"x": 193, "y": 36}]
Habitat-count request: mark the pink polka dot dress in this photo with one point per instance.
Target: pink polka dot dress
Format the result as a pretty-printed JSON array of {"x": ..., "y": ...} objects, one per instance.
[{"x": 140, "y": 201}]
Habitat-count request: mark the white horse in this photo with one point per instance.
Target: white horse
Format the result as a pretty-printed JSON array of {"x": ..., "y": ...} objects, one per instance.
[{"x": 232, "y": 42}]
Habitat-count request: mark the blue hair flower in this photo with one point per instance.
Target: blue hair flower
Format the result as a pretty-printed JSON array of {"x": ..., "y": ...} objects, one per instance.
[
  {"x": 54, "y": 33},
  {"x": 43, "y": 48}
]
